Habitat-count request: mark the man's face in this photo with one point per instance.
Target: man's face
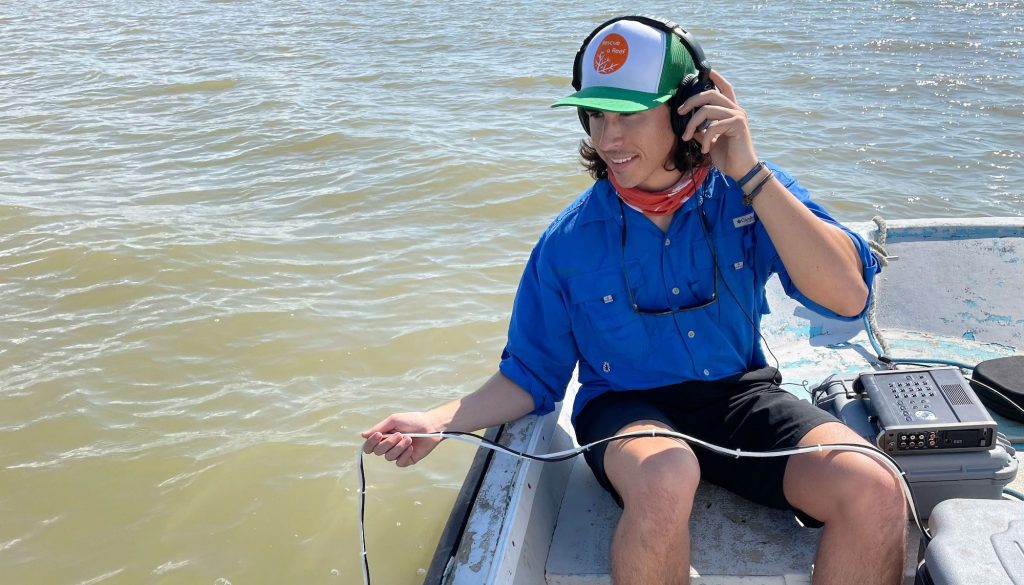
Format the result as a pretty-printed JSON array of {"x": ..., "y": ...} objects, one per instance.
[{"x": 636, "y": 147}]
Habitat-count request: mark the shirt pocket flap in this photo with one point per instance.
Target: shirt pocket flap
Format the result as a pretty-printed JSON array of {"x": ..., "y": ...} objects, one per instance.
[
  {"x": 606, "y": 286},
  {"x": 602, "y": 295}
]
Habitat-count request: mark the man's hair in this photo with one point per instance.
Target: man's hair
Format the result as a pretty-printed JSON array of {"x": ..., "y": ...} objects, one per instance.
[{"x": 687, "y": 156}]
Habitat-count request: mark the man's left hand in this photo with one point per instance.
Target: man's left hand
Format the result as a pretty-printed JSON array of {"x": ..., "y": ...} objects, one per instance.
[{"x": 720, "y": 125}]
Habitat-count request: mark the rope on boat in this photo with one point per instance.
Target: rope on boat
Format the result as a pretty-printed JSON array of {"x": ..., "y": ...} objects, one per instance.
[
  {"x": 877, "y": 245},
  {"x": 878, "y": 343}
]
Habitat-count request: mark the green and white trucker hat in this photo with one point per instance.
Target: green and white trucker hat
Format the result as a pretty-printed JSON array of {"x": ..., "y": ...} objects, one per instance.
[{"x": 628, "y": 67}]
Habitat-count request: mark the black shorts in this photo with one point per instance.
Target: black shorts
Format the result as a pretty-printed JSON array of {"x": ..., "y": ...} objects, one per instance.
[{"x": 749, "y": 412}]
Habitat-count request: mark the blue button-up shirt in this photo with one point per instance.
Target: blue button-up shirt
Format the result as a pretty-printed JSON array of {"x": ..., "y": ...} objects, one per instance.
[{"x": 572, "y": 304}]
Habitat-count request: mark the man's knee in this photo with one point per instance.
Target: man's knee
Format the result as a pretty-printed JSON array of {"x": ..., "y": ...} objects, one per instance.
[
  {"x": 854, "y": 489},
  {"x": 872, "y": 500},
  {"x": 877, "y": 493},
  {"x": 664, "y": 488},
  {"x": 655, "y": 474}
]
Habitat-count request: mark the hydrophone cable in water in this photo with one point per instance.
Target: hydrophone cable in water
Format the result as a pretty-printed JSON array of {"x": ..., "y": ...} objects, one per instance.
[{"x": 475, "y": 439}]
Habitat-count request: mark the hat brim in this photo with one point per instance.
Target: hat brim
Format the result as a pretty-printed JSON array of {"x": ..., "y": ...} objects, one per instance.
[{"x": 613, "y": 99}]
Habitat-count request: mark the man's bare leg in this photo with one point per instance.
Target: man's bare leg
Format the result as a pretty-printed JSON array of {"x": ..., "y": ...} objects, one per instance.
[
  {"x": 657, "y": 479},
  {"x": 862, "y": 505}
]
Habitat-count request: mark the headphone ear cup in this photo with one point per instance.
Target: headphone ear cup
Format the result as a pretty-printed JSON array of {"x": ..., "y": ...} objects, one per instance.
[
  {"x": 679, "y": 121},
  {"x": 688, "y": 88},
  {"x": 584, "y": 119}
]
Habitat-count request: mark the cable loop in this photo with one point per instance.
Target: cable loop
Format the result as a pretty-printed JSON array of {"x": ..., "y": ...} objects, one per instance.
[{"x": 884, "y": 458}]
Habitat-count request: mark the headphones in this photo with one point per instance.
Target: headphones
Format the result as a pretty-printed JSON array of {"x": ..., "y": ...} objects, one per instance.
[{"x": 688, "y": 86}]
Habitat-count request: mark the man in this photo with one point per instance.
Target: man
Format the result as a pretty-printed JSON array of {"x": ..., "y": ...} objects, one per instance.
[{"x": 652, "y": 281}]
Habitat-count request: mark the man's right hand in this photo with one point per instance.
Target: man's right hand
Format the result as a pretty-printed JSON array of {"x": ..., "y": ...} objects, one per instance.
[
  {"x": 386, "y": 438},
  {"x": 498, "y": 401}
]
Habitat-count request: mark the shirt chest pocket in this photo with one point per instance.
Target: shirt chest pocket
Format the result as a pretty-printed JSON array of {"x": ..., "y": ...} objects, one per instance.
[
  {"x": 735, "y": 272},
  {"x": 605, "y": 325},
  {"x": 702, "y": 276}
]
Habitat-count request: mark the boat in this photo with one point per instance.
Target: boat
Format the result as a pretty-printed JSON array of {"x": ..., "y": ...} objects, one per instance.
[{"x": 951, "y": 291}]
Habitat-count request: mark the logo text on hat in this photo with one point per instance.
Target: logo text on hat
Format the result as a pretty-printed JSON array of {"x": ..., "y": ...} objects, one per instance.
[{"x": 611, "y": 54}]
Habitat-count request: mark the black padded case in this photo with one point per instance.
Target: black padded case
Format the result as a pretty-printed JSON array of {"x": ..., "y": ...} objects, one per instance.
[{"x": 1006, "y": 375}]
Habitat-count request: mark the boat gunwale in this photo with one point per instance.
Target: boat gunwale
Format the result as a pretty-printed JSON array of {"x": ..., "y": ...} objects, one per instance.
[
  {"x": 454, "y": 528},
  {"x": 953, "y": 228}
]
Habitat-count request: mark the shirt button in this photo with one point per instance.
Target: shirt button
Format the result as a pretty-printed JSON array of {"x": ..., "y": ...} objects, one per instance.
[
  {"x": 690, "y": 335},
  {"x": 668, "y": 241},
  {"x": 707, "y": 373},
  {"x": 675, "y": 290}
]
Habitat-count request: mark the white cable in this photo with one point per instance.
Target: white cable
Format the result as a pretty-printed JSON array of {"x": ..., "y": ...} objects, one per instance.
[{"x": 737, "y": 453}]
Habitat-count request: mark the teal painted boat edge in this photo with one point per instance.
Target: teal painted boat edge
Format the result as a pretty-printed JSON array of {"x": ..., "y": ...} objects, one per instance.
[{"x": 944, "y": 228}]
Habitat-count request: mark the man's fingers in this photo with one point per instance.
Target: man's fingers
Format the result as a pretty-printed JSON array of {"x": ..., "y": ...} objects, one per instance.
[
  {"x": 408, "y": 457},
  {"x": 703, "y": 118},
  {"x": 723, "y": 86},
  {"x": 374, "y": 442},
  {"x": 388, "y": 443},
  {"x": 399, "y": 449},
  {"x": 394, "y": 447},
  {"x": 708, "y": 141},
  {"x": 705, "y": 98},
  {"x": 372, "y": 438},
  {"x": 699, "y": 122},
  {"x": 715, "y": 130}
]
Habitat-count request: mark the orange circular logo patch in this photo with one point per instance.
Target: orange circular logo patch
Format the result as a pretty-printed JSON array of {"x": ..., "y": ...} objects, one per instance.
[{"x": 611, "y": 54}]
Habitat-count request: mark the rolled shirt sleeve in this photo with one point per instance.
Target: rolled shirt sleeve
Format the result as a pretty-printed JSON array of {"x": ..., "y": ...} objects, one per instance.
[
  {"x": 540, "y": 353},
  {"x": 769, "y": 256}
]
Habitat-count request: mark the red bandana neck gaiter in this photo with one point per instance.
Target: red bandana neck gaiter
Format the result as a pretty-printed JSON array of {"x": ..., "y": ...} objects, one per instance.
[{"x": 662, "y": 202}]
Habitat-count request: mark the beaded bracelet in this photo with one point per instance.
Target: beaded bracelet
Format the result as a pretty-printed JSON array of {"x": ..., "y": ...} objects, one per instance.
[
  {"x": 748, "y": 199},
  {"x": 750, "y": 174}
]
